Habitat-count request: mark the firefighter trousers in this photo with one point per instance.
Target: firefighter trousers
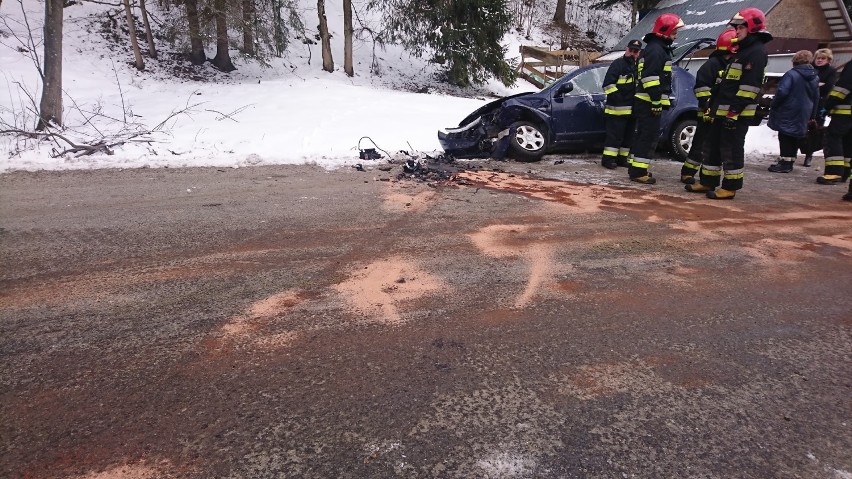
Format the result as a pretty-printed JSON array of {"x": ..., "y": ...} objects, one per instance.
[
  {"x": 645, "y": 141},
  {"x": 837, "y": 146},
  {"x": 696, "y": 152},
  {"x": 619, "y": 137},
  {"x": 724, "y": 156}
]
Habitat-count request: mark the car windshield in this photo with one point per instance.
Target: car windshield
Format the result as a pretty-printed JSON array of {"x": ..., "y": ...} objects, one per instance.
[{"x": 589, "y": 82}]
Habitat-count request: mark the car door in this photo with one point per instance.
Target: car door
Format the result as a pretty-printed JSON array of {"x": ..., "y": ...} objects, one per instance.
[{"x": 577, "y": 115}]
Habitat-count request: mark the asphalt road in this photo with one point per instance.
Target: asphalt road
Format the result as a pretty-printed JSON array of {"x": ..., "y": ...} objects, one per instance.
[{"x": 521, "y": 320}]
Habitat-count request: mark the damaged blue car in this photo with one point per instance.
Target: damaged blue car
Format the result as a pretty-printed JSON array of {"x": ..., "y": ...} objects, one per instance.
[{"x": 568, "y": 115}]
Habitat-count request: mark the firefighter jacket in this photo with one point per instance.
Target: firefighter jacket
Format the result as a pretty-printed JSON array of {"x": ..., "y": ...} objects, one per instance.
[
  {"x": 706, "y": 78},
  {"x": 654, "y": 82},
  {"x": 737, "y": 93},
  {"x": 619, "y": 85},
  {"x": 839, "y": 101}
]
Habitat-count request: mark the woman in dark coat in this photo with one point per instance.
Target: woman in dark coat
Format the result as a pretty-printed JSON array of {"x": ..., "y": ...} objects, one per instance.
[
  {"x": 827, "y": 77},
  {"x": 795, "y": 104}
]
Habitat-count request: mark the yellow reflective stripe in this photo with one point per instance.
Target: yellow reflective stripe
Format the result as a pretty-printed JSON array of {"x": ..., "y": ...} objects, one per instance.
[
  {"x": 617, "y": 112},
  {"x": 723, "y": 111},
  {"x": 702, "y": 94},
  {"x": 735, "y": 71},
  {"x": 839, "y": 92},
  {"x": 623, "y": 79},
  {"x": 691, "y": 165},
  {"x": 649, "y": 84},
  {"x": 749, "y": 110},
  {"x": 841, "y": 110},
  {"x": 610, "y": 89},
  {"x": 748, "y": 91},
  {"x": 610, "y": 151},
  {"x": 640, "y": 162},
  {"x": 735, "y": 174},
  {"x": 624, "y": 152},
  {"x": 707, "y": 171},
  {"x": 643, "y": 96},
  {"x": 834, "y": 162}
]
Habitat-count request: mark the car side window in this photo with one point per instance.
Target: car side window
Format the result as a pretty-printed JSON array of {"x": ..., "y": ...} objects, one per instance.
[{"x": 589, "y": 82}]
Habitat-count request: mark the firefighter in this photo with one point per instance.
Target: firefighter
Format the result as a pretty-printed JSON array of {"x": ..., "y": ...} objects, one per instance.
[
  {"x": 653, "y": 88},
  {"x": 706, "y": 79},
  {"x": 838, "y": 136},
  {"x": 734, "y": 106},
  {"x": 619, "y": 84}
]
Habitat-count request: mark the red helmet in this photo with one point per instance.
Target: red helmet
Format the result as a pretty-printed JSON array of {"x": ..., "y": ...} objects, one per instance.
[
  {"x": 725, "y": 41},
  {"x": 752, "y": 18},
  {"x": 666, "y": 24}
]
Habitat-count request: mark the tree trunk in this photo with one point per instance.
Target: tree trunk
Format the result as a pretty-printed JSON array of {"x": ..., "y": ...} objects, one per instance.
[
  {"x": 50, "y": 108},
  {"x": 222, "y": 60},
  {"x": 347, "y": 38},
  {"x": 634, "y": 12},
  {"x": 248, "y": 27},
  {"x": 559, "y": 16},
  {"x": 131, "y": 26},
  {"x": 149, "y": 37},
  {"x": 327, "y": 61},
  {"x": 196, "y": 44}
]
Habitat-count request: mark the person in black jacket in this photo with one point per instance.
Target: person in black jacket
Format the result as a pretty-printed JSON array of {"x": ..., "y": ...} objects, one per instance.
[
  {"x": 706, "y": 78},
  {"x": 794, "y": 108},
  {"x": 838, "y": 136},
  {"x": 827, "y": 77},
  {"x": 734, "y": 107},
  {"x": 652, "y": 93},
  {"x": 619, "y": 84}
]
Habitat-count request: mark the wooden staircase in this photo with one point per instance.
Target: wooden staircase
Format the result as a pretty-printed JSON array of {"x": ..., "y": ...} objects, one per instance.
[{"x": 542, "y": 66}]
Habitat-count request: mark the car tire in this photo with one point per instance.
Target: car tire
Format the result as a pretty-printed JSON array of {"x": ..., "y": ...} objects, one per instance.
[
  {"x": 529, "y": 141},
  {"x": 680, "y": 139}
]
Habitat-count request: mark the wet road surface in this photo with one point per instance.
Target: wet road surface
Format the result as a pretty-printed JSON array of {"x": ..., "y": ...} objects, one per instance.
[{"x": 522, "y": 320}]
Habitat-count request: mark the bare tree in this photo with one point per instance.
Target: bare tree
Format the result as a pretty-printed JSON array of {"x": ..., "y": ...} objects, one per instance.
[
  {"x": 559, "y": 16},
  {"x": 149, "y": 37},
  {"x": 222, "y": 60},
  {"x": 196, "y": 44},
  {"x": 327, "y": 61},
  {"x": 50, "y": 107},
  {"x": 347, "y": 38},
  {"x": 248, "y": 27},
  {"x": 131, "y": 26}
]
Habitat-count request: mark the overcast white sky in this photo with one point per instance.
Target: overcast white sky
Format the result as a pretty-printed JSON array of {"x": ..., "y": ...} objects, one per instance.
[{"x": 292, "y": 114}]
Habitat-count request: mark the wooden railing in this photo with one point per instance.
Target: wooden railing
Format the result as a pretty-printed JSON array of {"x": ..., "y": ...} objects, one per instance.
[{"x": 541, "y": 66}]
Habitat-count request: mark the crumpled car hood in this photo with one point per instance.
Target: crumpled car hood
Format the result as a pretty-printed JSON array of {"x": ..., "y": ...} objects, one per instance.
[{"x": 489, "y": 107}]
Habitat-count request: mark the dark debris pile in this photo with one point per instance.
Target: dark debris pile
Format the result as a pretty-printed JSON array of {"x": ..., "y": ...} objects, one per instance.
[{"x": 433, "y": 169}]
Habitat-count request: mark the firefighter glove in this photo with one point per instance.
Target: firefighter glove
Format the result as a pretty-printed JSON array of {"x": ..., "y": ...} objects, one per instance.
[
  {"x": 729, "y": 123},
  {"x": 656, "y": 110}
]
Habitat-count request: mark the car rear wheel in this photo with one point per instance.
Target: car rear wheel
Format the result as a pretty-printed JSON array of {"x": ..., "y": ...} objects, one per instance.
[
  {"x": 529, "y": 141},
  {"x": 680, "y": 140}
]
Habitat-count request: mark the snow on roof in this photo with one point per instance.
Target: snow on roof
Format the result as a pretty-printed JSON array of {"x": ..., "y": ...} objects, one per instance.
[{"x": 703, "y": 18}]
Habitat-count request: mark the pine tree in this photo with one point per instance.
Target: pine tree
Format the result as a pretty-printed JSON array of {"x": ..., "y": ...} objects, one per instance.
[{"x": 461, "y": 35}]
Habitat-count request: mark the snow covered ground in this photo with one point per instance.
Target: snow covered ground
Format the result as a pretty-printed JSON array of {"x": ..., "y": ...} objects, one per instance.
[{"x": 292, "y": 113}]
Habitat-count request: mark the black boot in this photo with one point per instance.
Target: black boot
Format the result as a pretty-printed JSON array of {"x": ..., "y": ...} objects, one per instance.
[
  {"x": 782, "y": 166},
  {"x": 808, "y": 160},
  {"x": 848, "y": 196}
]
